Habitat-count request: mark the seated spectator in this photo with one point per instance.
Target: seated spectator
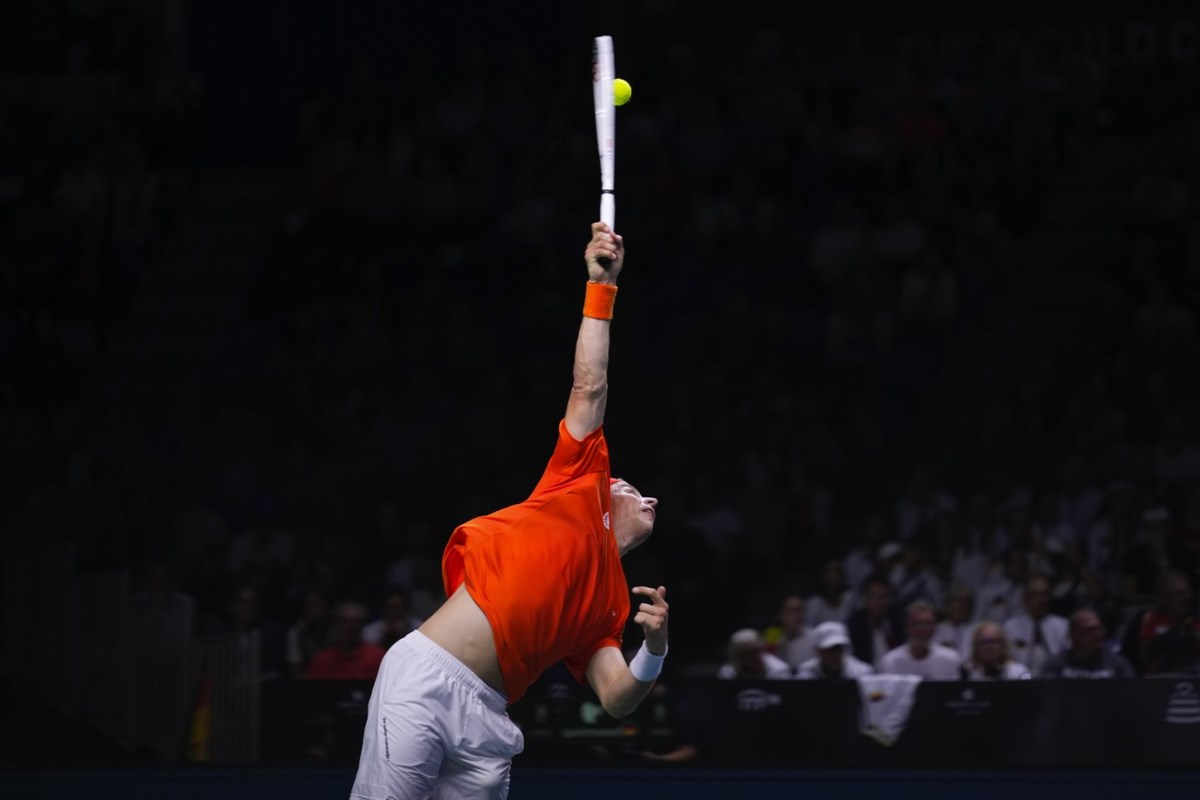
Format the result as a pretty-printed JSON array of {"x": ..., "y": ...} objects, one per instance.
[
  {"x": 833, "y": 600},
  {"x": 1088, "y": 656},
  {"x": 832, "y": 662},
  {"x": 683, "y": 746},
  {"x": 678, "y": 736},
  {"x": 1000, "y": 596},
  {"x": 1074, "y": 586},
  {"x": 791, "y": 639},
  {"x": 859, "y": 564},
  {"x": 307, "y": 635},
  {"x": 748, "y": 658},
  {"x": 888, "y": 561},
  {"x": 161, "y": 616},
  {"x": 1169, "y": 635},
  {"x": 874, "y": 629},
  {"x": 921, "y": 503},
  {"x": 979, "y": 553},
  {"x": 349, "y": 658},
  {"x": 245, "y": 619},
  {"x": 989, "y": 660},
  {"x": 1035, "y": 634},
  {"x": 396, "y": 623},
  {"x": 1147, "y": 558},
  {"x": 957, "y": 629},
  {"x": 919, "y": 655},
  {"x": 914, "y": 577}
]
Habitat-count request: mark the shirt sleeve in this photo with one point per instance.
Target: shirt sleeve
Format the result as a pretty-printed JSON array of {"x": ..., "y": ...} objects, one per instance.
[
  {"x": 572, "y": 458},
  {"x": 578, "y": 663}
]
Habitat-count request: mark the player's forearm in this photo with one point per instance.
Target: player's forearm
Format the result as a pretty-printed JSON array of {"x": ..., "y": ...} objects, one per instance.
[
  {"x": 589, "y": 388},
  {"x": 591, "y": 357}
]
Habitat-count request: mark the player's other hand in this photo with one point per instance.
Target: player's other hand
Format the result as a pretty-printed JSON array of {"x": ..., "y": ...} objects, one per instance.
[
  {"x": 652, "y": 616},
  {"x": 604, "y": 244}
]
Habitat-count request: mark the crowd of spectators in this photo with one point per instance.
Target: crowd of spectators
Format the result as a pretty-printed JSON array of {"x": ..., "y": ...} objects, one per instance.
[{"x": 814, "y": 364}]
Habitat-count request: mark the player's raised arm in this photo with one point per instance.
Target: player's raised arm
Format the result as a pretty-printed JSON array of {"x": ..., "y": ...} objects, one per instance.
[{"x": 589, "y": 390}]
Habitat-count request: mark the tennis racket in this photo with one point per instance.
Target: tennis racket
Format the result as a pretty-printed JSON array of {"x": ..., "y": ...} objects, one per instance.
[{"x": 603, "y": 73}]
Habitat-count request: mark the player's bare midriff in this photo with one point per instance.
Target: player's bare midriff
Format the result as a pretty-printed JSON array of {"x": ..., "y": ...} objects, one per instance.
[{"x": 462, "y": 629}]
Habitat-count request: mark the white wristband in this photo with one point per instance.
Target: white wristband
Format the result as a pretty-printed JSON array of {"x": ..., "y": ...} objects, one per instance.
[{"x": 645, "y": 666}]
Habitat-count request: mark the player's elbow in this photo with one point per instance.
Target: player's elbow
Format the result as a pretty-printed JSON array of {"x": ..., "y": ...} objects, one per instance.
[
  {"x": 617, "y": 703},
  {"x": 619, "y": 710}
]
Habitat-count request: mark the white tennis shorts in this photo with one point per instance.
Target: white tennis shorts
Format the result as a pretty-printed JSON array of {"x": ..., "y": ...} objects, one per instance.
[{"x": 434, "y": 730}]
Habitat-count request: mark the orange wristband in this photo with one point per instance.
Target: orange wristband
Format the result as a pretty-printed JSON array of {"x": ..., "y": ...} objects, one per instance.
[{"x": 599, "y": 300}]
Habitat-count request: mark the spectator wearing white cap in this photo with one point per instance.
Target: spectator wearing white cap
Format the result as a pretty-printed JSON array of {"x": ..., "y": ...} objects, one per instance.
[
  {"x": 832, "y": 662},
  {"x": 748, "y": 658}
]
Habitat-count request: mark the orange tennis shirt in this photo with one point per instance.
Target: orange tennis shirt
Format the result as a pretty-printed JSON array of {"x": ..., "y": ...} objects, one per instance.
[{"x": 547, "y": 572}]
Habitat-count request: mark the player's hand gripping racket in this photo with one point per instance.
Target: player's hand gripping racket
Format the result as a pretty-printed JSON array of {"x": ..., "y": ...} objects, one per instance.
[{"x": 603, "y": 73}]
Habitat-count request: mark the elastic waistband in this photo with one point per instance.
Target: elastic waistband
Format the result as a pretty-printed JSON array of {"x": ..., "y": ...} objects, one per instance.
[{"x": 456, "y": 669}]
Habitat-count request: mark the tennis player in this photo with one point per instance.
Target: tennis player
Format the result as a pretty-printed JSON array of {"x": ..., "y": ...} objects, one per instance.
[{"x": 528, "y": 585}]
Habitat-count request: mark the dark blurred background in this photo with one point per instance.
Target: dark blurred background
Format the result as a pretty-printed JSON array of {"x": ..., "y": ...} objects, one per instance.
[{"x": 290, "y": 289}]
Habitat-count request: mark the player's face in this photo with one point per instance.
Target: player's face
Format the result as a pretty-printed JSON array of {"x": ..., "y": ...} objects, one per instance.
[{"x": 633, "y": 515}]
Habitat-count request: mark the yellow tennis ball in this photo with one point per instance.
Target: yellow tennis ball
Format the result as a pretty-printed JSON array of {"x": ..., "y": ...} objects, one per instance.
[{"x": 622, "y": 91}]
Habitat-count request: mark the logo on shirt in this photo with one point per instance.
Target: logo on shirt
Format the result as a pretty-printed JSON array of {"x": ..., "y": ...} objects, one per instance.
[{"x": 606, "y": 521}]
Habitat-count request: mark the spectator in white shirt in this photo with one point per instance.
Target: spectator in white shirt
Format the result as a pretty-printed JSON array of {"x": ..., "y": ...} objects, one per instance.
[
  {"x": 956, "y": 629},
  {"x": 861, "y": 562},
  {"x": 834, "y": 600},
  {"x": 914, "y": 577},
  {"x": 791, "y": 639},
  {"x": 1000, "y": 597},
  {"x": 1035, "y": 634},
  {"x": 919, "y": 655},
  {"x": 832, "y": 662}
]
